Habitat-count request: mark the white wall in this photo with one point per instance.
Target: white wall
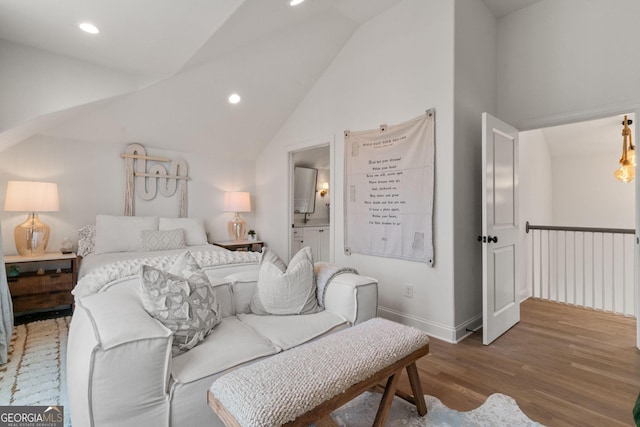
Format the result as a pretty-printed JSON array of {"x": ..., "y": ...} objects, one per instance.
[
  {"x": 34, "y": 82},
  {"x": 585, "y": 193},
  {"x": 558, "y": 57},
  {"x": 475, "y": 93},
  {"x": 536, "y": 182},
  {"x": 393, "y": 68},
  {"x": 90, "y": 181}
]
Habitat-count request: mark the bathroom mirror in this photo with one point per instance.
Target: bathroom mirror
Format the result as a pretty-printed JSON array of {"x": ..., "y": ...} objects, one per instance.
[{"x": 304, "y": 190}]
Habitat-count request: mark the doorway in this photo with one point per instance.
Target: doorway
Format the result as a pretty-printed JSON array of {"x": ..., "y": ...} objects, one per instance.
[
  {"x": 310, "y": 208},
  {"x": 567, "y": 181}
]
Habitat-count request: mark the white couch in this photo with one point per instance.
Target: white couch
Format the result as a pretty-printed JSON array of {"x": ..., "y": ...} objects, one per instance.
[{"x": 119, "y": 366}]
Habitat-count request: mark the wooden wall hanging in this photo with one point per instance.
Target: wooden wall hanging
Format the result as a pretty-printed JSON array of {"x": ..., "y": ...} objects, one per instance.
[{"x": 157, "y": 177}]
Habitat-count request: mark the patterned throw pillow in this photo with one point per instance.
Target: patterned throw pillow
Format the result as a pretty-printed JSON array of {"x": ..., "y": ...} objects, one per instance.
[
  {"x": 285, "y": 290},
  {"x": 86, "y": 240},
  {"x": 156, "y": 240},
  {"x": 194, "y": 232},
  {"x": 181, "y": 299}
]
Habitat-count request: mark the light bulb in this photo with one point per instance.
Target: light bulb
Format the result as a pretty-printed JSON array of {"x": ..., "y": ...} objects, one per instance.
[
  {"x": 631, "y": 155},
  {"x": 630, "y": 171},
  {"x": 625, "y": 173}
]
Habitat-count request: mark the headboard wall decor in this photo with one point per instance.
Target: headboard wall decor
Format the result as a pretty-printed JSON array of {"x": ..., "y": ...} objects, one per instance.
[{"x": 137, "y": 175}]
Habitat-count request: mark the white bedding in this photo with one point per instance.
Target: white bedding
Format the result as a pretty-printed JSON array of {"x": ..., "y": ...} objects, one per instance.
[
  {"x": 99, "y": 272},
  {"x": 94, "y": 260}
]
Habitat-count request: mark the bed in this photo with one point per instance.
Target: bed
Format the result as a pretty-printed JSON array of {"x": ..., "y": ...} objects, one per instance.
[{"x": 113, "y": 250}]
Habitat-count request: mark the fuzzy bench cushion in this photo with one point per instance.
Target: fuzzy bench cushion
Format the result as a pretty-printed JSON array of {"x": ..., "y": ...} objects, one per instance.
[{"x": 283, "y": 387}]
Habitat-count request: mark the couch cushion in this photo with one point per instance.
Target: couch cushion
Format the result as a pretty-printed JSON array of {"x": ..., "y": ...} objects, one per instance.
[
  {"x": 229, "y": 344},
  {"x": 243, "y": 284},
  {"x": 224, "y": 296},
  {"x": 289, "y": 331},
  {"x": 228, "y": 269}
]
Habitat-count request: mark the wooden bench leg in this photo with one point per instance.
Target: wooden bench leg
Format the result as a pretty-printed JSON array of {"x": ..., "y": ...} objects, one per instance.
[
  {"x": 387, "y": 399},
  {"x": 416, "y": 389}
]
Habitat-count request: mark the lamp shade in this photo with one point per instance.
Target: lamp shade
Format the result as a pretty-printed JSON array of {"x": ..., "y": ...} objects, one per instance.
[
  {"x": 237, "y": 201},
  {"x": 29, "y": 196}
]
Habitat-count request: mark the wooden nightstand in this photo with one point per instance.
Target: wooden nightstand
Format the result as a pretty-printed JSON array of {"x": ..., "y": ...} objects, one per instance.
[
  {"x": 33, "y": 291},
  {"x": 241, "y": 245}
]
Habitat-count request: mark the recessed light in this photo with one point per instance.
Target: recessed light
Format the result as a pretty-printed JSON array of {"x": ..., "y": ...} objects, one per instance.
[
  {"x": 234, "y": 98},
  {"x": 295, "y": 2},
  {"x": 89, "y": 28}
]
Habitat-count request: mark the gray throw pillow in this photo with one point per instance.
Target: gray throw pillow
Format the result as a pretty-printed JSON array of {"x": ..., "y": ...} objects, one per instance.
[
  {"x": 86, "y": 240},
  {"x": 159, "y": 240},
  {"x": 285, "y": 290},
  {"x": 181, "y": 299}
]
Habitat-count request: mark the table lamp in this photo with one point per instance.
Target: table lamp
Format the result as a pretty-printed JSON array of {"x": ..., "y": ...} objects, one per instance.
[
  {"x": 31, "y": 236},
  {"x": 236, "y": 202}
]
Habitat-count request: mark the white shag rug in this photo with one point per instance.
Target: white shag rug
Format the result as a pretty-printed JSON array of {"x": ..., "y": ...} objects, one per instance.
[
  {"x": 36, "y": 375},
  {"x": 36, "y": 371},
  {"x": 498, "y": 410}
]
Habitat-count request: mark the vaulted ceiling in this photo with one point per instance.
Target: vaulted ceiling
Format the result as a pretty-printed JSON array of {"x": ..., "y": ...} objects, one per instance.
[{"x": 190, "y": 55}]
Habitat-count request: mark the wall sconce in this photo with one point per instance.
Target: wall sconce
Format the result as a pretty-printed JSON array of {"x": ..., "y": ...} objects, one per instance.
[
  {"x": 627, "y": 170},
  {"x": 325, "y": 188}
]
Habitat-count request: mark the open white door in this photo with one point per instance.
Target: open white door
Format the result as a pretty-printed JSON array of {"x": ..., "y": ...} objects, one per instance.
[{"x": 500, "y": 300}]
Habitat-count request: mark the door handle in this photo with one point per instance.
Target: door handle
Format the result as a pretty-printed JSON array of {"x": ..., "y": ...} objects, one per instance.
[
  {"x": 493, "y": 239},
  {"x": 482, "y": 239}
]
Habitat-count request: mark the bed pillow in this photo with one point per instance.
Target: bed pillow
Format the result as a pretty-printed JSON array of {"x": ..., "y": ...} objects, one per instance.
[
  {"x": 121, "y": 233},
  {"x": 182, "y": 299},
  {"x": 194, "y": 233},
  {"x": 285, "y": 290},
  {"x": 159, "y": 240},
  {"x": 86, "y": 240}
]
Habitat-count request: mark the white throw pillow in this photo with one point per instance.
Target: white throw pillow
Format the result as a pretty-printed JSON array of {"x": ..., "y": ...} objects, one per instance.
[
  {"x": 194, "y": 233},
  {"x": 292, "y": 291},
  {"x": 121, "y": 233},
  {"x": 182, "y": 299},
  {"x": 159, "y": 240}
]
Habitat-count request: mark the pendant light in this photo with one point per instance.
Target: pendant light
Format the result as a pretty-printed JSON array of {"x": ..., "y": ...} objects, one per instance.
[{"x": 627, "y": 170}]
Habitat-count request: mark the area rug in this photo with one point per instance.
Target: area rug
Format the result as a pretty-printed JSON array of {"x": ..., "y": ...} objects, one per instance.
[
  {"x": 36, "y": 371},
  {"x": 36, "y": 375},
  {"x": 498, "y": 410}
]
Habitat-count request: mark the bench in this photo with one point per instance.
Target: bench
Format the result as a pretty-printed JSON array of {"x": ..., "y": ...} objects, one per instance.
[{"x": 305, "y": 384}]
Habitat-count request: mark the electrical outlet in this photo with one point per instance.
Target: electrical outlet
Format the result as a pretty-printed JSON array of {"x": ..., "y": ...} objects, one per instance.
[{"x": 408, "y": 290}]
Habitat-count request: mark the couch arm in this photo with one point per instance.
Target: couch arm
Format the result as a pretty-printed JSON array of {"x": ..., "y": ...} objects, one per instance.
[
  {"x": 118, "y": 362},
  {"x": 352, "y": 296}
]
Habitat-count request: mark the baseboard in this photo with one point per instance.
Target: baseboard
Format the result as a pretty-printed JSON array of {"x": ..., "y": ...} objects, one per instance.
[
  {"x": 434, "y": 329},
  {"x": 469, "y": 327}
]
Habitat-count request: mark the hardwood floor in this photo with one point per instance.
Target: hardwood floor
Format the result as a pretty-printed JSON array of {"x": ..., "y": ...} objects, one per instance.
[{"x": 565, "y": 366}]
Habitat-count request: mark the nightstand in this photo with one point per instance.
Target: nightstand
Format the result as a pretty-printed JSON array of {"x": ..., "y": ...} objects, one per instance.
[
  {"x": 241, "y": 245},
  {"x": 33, "y": 291}
]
